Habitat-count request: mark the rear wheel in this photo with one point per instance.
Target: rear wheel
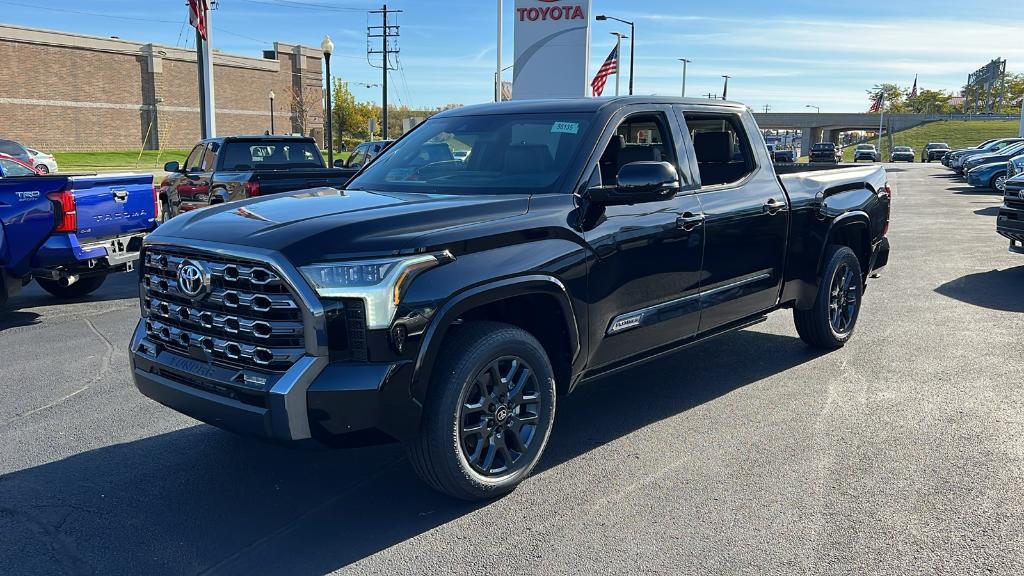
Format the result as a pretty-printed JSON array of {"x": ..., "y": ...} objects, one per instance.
[
  {"x": 82, "y": 287},
  {"x": 42, "y": 169},
  {"x": 829, "y": 323},
  {"x": 488, "y": 413}
]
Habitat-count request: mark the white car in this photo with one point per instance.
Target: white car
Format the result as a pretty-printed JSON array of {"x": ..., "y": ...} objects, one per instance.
[
  {"x": 44, "y": 162},
  {"x": 461, "y": 155}
]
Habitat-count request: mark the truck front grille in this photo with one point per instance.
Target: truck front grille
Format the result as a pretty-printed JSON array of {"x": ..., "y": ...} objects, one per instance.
[{"x": 245, "y": 317}]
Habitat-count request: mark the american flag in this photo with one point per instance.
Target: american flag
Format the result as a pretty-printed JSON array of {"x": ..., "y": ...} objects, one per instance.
[
  {"x": 913, "y": 91},
  {"x": 197, "y": 11},
  {"x": 610, "y": 66},
  {"x": 878, "y": 104}
]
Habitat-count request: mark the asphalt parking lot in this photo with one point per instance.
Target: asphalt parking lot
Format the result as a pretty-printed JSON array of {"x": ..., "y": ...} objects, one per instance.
[{"x": 902, "y": 453}]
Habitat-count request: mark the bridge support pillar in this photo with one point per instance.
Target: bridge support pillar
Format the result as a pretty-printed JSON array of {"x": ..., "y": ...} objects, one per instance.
[{"x": 809, "y": 136}]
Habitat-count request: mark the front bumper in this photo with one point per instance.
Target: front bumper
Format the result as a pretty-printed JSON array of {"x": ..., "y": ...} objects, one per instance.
[
  {"x": 1010, "y": 221},
  {"x": 902, "y": 158},
  {"x": 980, "y": 178},
  {"x": 312, "y": 399}
]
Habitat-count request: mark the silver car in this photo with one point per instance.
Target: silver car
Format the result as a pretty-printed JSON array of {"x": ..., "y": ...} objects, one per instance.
[{"x": 44, "y": 162}]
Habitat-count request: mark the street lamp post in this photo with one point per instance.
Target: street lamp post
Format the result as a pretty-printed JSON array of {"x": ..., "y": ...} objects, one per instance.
[
  {"x": 725, "y": 89},
  {"x": 632, "y": 44},
  {"x": 327, "y": 46},
  {"x": 618, "y": 54},
  {"x": 817, "y": 109},
  {"x": 685, "y": 62},
  {"x": 272, "y": 131}
]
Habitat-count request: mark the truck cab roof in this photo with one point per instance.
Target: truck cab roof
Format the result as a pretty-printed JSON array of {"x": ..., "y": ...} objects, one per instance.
[{"x": 583, "y": 105}]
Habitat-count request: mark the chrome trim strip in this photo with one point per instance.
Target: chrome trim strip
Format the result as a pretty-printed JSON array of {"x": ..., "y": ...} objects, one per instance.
[{"x": 630, "y": 320}]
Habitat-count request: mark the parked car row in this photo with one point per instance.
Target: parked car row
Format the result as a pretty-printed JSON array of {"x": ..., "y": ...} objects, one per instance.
[
  {"x": 989, "y": 164},
  {"x": 40, "y": 162}
]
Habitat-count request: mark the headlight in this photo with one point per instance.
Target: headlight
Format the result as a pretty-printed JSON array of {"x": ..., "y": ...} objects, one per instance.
[{"x": 380, "y": 283}]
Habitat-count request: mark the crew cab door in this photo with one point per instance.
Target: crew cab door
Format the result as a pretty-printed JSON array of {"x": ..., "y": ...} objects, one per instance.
[
  {"x": 746, "y": 213},
  {"x": 644, "y": 280}
]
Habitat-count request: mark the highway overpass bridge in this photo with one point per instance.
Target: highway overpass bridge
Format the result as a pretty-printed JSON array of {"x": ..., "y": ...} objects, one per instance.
[{"x": 824, "y": 127}]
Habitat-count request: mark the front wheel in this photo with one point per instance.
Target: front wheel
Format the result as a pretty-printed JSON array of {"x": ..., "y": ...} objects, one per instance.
[
  {"x": 998, "y": 182},
  {"x": 82, "y": 287},
  {"x": 488, "y": 413},
  {"x": 42, "y": 169},
  {"x": 829, "y": 323}
]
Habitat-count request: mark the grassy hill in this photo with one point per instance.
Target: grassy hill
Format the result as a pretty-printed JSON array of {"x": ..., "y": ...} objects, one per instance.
[{"x": 956, "y": 133}]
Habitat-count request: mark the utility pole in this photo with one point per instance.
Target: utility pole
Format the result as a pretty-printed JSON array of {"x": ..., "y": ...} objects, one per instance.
[
  {"x": 385, "y": 33},
  {"x": 725, "y": 89},
  {"x": 685, "y": 62},
  {"x": 767, "y": 108}
]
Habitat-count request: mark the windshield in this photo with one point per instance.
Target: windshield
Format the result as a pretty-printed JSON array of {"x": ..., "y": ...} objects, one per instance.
[
  {"x": 824, "y": 146},
  {"x": 901, "y": 149},
  {"x": 503, "y": 154},
  {"x": 865, "y": 147},
  {"x": 939, "y": 146},
  {"x": 270, "y": 155},
  {"x": 1013, "y": 148}
]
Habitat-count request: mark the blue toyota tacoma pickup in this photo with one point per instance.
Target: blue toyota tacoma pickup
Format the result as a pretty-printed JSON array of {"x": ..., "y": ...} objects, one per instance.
[{"x": 70, "y": 232}]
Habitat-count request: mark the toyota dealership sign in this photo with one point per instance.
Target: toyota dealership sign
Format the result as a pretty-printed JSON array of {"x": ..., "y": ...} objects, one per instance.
[{"x": 552, "y": 44}]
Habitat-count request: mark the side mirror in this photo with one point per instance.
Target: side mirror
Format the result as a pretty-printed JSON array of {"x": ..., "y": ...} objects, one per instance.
[
  {"x": 638, "y": 182},
  {"x": 339, "y": 163},
  {"x": 172, "y": 167}
]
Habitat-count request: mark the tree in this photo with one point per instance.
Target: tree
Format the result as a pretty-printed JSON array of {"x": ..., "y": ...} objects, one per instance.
[
  {"x": 305, "y": 102},
  {"x": 348, "y": 116},
  {"x": 930, "y": 102}
]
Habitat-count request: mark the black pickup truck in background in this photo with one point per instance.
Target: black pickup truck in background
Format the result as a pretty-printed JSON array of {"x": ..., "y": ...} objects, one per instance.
[
  {"x": 237, "y": 167},
  {"x": 446, "y": 303},
  {"x": 826, "y": 152}
]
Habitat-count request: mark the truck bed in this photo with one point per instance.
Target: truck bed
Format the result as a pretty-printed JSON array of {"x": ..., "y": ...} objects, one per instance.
[{"x": 809, "y": 177}]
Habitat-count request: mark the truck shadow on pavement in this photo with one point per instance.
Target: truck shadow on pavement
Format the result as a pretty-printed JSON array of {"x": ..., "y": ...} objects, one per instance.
[
  {"x": 996, "y": 289},
  {"x": 202, "y": 501},
  {"x": 16, "y": 319}
]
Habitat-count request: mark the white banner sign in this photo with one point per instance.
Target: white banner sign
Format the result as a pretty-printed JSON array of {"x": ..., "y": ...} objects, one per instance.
[{"x": 552, "y": 45}]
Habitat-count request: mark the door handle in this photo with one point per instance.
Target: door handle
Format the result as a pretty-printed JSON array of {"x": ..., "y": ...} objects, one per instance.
[
  {"x": 690, "y": 221},
  {"x": 773, "y": 207}
]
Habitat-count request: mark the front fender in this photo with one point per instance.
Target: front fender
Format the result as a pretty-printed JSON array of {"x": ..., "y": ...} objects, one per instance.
[{"x": 482, "y": 295}]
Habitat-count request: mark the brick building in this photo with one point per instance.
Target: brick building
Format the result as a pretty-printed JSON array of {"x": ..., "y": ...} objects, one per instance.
[{"x": 65, "y": 91}]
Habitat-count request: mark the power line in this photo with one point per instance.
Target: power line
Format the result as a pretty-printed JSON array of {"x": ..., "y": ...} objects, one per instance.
[
  {"x": 305, "y": 5},
  {"x": 84, "y": 13}
]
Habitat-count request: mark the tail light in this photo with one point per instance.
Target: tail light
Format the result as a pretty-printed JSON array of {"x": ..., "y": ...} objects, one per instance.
[
  {"x": 66, "y": 210},
  {"x": 252, "y": 188}
]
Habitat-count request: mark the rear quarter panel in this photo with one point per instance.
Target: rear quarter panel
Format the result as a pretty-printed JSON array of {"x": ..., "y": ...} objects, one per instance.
[
  {"x": 26, "y": 220},
  {"x": 823, "y": 201}
]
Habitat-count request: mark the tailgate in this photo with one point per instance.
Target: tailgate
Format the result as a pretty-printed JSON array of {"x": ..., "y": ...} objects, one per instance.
[
  {"x": 276, "y": 181},
  {"x": 112, "y": 205}
]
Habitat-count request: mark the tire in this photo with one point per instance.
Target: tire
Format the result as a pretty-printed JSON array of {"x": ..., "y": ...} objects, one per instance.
[
  {"x": 83, "y": 287},
  {"x": 998, "y": 182},
  {"x": 817, "y": 326},
  {"x": 165, "y": 211},
  {"x": 42, "y": 168},
  {"x": 464, "y": 396}
]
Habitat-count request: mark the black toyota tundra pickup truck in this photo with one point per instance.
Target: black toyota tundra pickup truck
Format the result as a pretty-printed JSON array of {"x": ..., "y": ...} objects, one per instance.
[
  {"x": 1010, "y": 221},
  {"x": 236, "y": 167},
  {"x": 447, "y": 304}
]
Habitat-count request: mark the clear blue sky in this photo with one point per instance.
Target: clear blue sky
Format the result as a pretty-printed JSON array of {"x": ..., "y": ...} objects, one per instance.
[{"x": 786, "y": 53}]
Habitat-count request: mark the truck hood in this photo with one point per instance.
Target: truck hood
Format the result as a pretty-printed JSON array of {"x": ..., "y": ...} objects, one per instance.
[{"x": 326, "y": 222}]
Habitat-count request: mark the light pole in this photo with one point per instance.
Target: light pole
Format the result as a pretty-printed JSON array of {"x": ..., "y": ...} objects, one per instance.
[
  {"x": 817, "y": 109},
  {"x": 497, "y": 68},
  {"x": 685, "y": 62},
  {"x": 632, "y": 44},
  {"x": 618, "y": 54},
  {"x": 272, "y": 112},
  {"x": 497, "y": 81},
  {"x": 327, "y": 46},
  {"x": 725, "y": 89}
]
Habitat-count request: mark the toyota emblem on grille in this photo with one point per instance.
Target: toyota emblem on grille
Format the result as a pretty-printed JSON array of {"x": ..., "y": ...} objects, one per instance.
[{"x": 193, "y": 280}]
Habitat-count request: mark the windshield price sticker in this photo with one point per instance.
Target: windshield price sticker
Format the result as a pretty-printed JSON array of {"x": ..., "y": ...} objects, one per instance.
[{"x": 565, "y": 128}]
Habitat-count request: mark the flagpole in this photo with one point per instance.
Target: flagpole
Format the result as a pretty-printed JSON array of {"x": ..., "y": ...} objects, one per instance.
[
  {"x": 881, "y": 115},
  {"x": 618, "y": 59},
  {"x": 204, "y": 62}
]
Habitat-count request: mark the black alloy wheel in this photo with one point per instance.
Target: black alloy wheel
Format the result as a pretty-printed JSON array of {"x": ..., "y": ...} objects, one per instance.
[
  {"x": 499, "y": 416},
  {"x": 830, "y": 321},
  {"x": 488, "y": 412},
  {"x": 844, "y": 294}
]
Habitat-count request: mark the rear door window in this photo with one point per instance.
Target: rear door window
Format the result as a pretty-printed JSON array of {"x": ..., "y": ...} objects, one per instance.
[
  {"x": 12, "y": 168},
  {"x": 722, "y": 148}
]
